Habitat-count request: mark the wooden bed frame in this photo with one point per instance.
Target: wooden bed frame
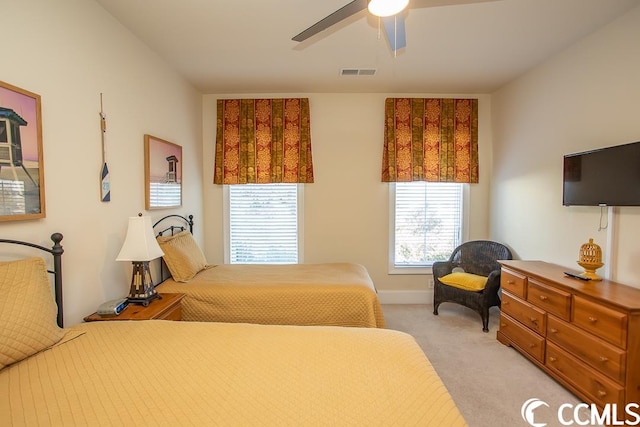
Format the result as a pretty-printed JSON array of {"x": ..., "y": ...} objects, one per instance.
[{"x": 56, "y": 251}]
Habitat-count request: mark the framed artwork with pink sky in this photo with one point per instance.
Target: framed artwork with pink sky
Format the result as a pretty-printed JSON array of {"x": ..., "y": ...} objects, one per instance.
[
  {"x": 163, "y": 173},
  {"x": 21, "y": 162}
]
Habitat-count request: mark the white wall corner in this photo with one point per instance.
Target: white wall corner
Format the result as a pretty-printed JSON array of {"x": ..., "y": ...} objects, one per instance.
[{"x": 405, "y": 297}]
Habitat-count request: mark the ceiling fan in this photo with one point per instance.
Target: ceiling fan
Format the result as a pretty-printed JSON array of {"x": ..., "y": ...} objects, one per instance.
[{"x": 393, "y": 23}]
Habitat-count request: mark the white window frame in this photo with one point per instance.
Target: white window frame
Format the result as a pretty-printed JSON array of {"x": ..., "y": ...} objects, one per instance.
[
  {"x": 426, "y": 270},
  {"x": 226, "y": 223}
]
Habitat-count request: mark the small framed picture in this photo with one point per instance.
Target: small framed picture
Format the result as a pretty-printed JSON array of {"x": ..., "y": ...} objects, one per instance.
[
  {"x": 21, "y": 163},
  {"x": 163, "y": 173}
]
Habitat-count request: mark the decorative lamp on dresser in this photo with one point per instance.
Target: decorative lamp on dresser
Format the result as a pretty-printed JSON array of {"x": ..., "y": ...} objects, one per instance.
[{"x": 585, "y": 334}]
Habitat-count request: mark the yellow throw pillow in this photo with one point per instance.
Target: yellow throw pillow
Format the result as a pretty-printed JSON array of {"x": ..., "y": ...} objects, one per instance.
[
  {"x": 182, "y": 255},
  {"x": 27, "y": 310},
  {"x": 466, "y": 281}
]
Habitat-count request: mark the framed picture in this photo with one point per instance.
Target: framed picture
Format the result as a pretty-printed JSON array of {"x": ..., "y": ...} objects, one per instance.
[
  {"x": 162, "y": 173},
  {"x": 21, "y": 163}
]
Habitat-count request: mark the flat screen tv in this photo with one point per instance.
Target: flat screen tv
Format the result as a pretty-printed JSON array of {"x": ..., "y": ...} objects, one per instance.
[{"x": 607, "y": 176}]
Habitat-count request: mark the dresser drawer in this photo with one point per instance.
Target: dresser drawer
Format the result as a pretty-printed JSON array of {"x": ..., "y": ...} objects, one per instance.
[
  {"x": 554, "y": 301},
  {"x": 522, "y": 337},
  {"x": 514, "y": 283},
  {"x": 603, "y": 356},
  {"x": 597, "y": 387},
  {"x": 524, "y": 313},
  {"x": 608, "y": 324}
]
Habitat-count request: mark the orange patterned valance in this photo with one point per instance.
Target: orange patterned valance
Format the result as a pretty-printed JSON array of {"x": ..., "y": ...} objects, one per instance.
[
  {"x": 261, "y": 141},
  {"x": 430, "y": 139}
]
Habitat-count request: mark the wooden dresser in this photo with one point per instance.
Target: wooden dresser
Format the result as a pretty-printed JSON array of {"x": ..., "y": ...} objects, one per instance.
[{"x": 584, "y": 334}]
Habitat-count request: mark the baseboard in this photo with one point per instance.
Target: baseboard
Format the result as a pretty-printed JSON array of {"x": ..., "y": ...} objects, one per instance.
[{"x": 405, "y": 297}]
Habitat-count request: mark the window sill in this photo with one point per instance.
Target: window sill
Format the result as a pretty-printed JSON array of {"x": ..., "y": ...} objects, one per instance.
[{"x": 410, "y": 270}]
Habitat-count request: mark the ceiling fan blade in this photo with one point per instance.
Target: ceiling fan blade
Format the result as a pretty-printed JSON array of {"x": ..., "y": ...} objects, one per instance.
[
  {"x": 394, "y": 25},
  {"x": 394, "y": 28},
  {"x": 343, "y": 13}
]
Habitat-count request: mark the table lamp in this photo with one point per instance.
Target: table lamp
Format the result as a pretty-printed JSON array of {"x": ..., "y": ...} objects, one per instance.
[{"x": 140, "y": 247}]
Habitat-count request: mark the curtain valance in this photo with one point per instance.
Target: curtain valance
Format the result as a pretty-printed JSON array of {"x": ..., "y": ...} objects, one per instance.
[
  {"x": 430, "y": 139},
  {"x": 263, "y": 141}
]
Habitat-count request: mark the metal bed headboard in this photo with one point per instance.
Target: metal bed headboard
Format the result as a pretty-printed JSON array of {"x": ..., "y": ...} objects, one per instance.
[
  {"x": 56, "y": 251},
  {"x": 183, "y": 224},
  {"x": 188, "y": 221}
]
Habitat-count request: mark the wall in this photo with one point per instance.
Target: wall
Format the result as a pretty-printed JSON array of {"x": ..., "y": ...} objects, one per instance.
[
  {"x": 69, "y": 52},
  {"x": 584, "y": 98},
  {"x": 346, "y": 214}
]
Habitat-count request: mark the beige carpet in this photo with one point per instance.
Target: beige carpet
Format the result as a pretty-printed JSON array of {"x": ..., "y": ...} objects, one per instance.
[{"x": 488, "y": 381}]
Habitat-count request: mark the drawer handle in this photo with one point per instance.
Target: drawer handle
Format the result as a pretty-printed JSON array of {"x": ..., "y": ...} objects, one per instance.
[
  {"x": 511, "y": 282},
  {"x": 604, "y": 359},
  {"x": 534, "y": 320},
  {"x": 505, "y": 303},
  {"x": 552, "y": 359},
  {"x": 504, "y": 325},
  {"x": 554, "y": 331},
  {"x": 602, "y": 393},
  {"x": 544, "y": 297},
  {"x": 532, "y": 345},
  {"x": 593, "y": 319}
]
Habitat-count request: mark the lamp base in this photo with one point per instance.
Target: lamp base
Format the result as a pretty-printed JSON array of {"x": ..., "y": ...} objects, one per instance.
[
  {"x": 142, "y": 290},
  {"x": 143, "y": 301}
]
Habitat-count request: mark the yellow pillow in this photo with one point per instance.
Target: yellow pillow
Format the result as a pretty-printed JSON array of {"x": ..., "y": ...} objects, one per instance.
[
  {"x": 27, "y": 310},
  {"x": 466, "y": 281},
  {"x": 182, "y": 255}
]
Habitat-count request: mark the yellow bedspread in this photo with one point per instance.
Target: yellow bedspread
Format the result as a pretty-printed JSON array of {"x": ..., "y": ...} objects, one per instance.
[
  {"x": 161, "y": 373},
  {"x": 336, "y": 294}
]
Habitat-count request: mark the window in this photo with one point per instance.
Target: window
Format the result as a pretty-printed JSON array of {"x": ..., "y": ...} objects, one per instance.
[
  {"x": 426, "y": 224},
  {"x": 263, "y": 223},
  {"x": 3, "y": 131}
]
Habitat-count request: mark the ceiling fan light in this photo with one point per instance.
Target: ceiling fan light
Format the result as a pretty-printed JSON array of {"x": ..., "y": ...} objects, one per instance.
[{"x": 384, "y": 8}]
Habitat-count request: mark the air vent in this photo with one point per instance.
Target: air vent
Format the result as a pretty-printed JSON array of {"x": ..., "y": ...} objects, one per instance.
[{"x": 357, "y": 71}]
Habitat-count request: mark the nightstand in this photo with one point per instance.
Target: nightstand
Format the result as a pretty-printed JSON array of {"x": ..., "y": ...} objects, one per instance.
[{"x": 167, "y": 308}]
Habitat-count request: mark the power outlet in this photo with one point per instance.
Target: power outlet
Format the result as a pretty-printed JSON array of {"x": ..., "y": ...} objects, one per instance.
[{"x": 430, "y": 284}]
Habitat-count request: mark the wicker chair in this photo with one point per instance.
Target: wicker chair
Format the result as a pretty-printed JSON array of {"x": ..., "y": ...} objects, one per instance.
[{"x": 477, "y": 257}]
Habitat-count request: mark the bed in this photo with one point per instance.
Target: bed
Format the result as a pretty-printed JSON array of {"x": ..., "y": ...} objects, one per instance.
[
  {"x": 330, "y": 294},
  {"x": 159, "y": 372}
]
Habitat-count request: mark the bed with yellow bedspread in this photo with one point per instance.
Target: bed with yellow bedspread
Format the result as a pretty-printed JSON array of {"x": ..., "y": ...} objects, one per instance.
[
  {"x": 190, "y": 373},
  {"x": 334, "y": 294}
]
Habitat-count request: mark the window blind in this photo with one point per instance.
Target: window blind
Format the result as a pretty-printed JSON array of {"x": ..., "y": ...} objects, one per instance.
[{"x": 263, "y": 224}]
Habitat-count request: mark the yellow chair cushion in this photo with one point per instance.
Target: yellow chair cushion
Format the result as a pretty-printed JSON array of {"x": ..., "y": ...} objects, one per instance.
[
  {"x": 182, "y": 256},
  {"x": 466, "y": 281}
]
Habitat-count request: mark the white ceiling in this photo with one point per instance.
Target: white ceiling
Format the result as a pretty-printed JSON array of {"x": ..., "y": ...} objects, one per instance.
[{"x": 245, "y": 46}]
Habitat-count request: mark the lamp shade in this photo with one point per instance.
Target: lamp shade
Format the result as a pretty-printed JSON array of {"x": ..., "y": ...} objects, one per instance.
[
  {"x": 384, "y": 8},
  {"x": 140, "y": 243}
]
